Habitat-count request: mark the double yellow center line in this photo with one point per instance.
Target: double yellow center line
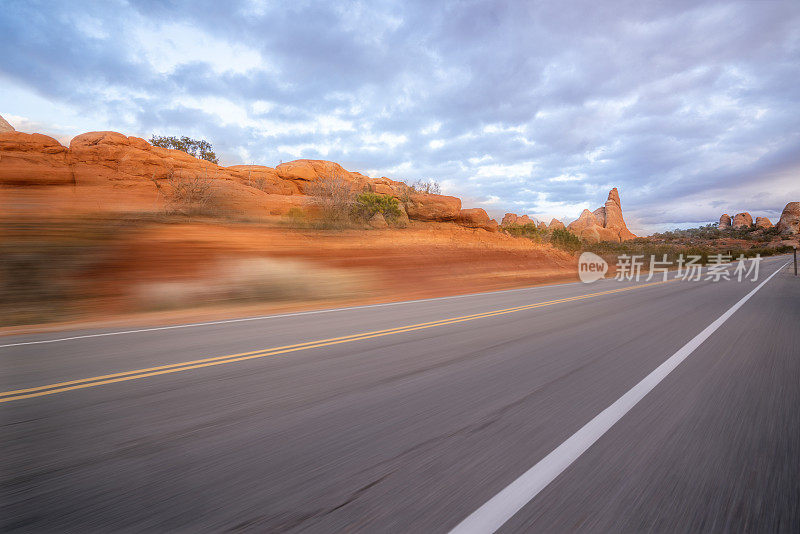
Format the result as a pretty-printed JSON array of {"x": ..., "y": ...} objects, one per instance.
[{"x": 60, "y": 387}]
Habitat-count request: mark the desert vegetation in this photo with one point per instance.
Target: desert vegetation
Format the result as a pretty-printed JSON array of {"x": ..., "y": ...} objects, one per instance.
[
  {"x": 199, "y": 148},
  {"x": 341, "y": 205},
  {"x": 710, "y": 232},
  {"x": 703, "y": 241},
  {"x": 189, "y": 196}
]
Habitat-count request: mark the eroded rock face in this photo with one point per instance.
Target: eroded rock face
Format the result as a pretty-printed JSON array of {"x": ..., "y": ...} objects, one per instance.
[
  {"x": 555, "y": 223},
  {"x": 476, "y": 218},
  {"x": 594, "y": 234},
  {"x": 789, "y": 223},
  {"x": 427, "y": 207},
  {"x": 33, "y": 159},
  {"x": 604, "y": 224},
  {"x": 742, "y": 220},
  {"x": 724, "y": 222},
  {"x": 134, "y": 167},
  {"x": 5, "y": 126},
  {"x": 264, "y": 178},
  {"x": 512, "y": 219},
  {"x": 763, "y": 222},
  {"x": 585, "y": 220}
]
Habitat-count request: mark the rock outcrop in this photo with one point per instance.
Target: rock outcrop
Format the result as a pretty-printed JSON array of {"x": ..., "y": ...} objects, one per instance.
[
  {"x": 586, "y": 220},
  {"x": 130, "y": 170},
  {"x": 789, "y": 223},
  {"x": 33, "y": 159},
  {"x": 555, "y": 223},
  {"x": 763, "y": 222},
  {"x": 5, "y": 126},
  {"x": 603, "y": 224},
  {"x": 428, "y": 207},
  {"x": 476, "y": 218},
  {"x": 512, "y": 219},
  {"x": 724, "y": 222},
  {"x": 742, "y": 220}
]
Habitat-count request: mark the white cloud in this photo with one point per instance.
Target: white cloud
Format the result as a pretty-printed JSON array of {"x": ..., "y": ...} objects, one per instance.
[{"x": 170, "y": 45}]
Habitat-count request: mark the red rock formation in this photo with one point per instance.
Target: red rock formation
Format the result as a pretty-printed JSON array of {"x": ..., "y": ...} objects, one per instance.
[
  {"x": 427, "y": 207},
  {"x": 724, "y": 222},
  {"x": 130, "y": 165},
  {"x": 476, "y": 218},
  {"x": 586, "y": 220},
  {"x": 33, "y": 159},
  {"x": 5, "y": 126},
  {"x": 604, "y": 224},
  {"x": 264, "y": 178},
  {"x": 511, "y": 219},
  {"x": 742, "y": 220},
  {"x": 789, "y": 223},
  {"x": 555, "y": 223},
  {"x": 763, "y": 222}
]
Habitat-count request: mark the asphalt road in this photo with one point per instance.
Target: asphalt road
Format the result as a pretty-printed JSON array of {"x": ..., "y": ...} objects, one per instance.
[{"x": 456, "y": 413}]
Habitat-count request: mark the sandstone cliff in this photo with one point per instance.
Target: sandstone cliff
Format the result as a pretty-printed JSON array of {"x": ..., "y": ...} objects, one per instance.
[{"x": 108, "y": 170}]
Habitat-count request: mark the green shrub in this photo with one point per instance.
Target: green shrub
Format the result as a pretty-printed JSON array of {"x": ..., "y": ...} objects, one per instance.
[
  {"x": 565, "y": 240},
  {"x": 530, "y": 230},
  {"x": 367, "y": 204},
  {"x": 199, "y": 148}
]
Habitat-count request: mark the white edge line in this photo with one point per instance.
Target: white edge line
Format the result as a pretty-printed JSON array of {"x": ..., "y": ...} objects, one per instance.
[
  {"x": 294, "y": 314},
  {"x": 502, "y": 507}
]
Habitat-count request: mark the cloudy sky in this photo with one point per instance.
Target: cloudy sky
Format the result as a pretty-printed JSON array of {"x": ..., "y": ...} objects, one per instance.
[{"x": 690, "y": 108}]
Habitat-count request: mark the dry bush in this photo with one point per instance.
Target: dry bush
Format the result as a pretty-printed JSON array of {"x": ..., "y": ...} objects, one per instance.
[
  {"x": 430, "y": 187},
  {"x": 260, "y": 183},
  {"x": 334, "y": 196},
  {"x": 188, "y": 196}
]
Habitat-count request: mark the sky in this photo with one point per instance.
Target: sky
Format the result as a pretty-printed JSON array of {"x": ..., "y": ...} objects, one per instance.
[{"x": 690, "y": 108}]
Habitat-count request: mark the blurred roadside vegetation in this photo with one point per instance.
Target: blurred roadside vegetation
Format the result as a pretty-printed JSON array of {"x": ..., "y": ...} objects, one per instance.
[
  {"x": 702, "y": 241},
  {"x": 45, "y": 266},
  {"x": 64, "y": 269}
]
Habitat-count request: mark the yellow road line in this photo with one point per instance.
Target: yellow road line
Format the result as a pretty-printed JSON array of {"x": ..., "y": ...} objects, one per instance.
[{"x": 59, "y": 387}]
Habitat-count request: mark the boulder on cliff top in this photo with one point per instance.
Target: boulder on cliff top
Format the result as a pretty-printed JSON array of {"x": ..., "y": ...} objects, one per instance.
[
  {"x": 429, "y": 207},
  {"x": 742, "y": 220},
  {"x": 724, "y": 222},
  {"x": 789, "y": 223},
  {"x": 763, "y": 222},
  {"x": 476, "y": 218}
]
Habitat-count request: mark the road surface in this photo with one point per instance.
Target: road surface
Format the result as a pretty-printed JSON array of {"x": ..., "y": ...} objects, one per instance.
[{"x": 605, "y": 407}]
